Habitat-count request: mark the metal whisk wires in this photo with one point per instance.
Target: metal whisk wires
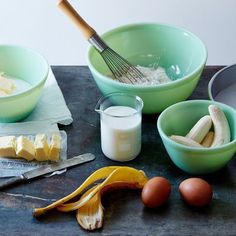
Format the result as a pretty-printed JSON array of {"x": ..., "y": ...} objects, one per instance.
[{"x": 120, "y": 67}]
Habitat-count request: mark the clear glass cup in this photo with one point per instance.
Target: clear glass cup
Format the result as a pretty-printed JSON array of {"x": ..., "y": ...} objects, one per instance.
[{"x": 120, "y": 119}]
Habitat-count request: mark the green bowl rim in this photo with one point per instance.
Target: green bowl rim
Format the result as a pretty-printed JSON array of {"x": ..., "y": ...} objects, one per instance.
[
  {"x": 179, "y": 82},
  {"x": 184, "y": 147},
  {"x": 28, "y": 91}
]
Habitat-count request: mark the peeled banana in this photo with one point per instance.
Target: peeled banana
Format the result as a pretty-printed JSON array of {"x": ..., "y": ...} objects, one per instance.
[
  {"x": 185, "y": 141},
  {"x": 200, "y": 129},
  {"x": 207, "y": 141},
  {"x": 202, "y": 134},
  {"x": 221, "y": 126}
]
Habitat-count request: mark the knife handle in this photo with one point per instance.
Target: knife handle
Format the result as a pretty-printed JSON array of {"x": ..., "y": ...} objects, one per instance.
[{"x": 11, "y": 181}]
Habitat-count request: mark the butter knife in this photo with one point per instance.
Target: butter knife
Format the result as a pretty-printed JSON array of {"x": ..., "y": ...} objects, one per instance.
[{"x": 47, "y": 169}]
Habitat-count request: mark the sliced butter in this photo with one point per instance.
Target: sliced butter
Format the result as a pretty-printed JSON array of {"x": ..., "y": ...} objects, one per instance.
[
  {"x": 3, "y": 94},
  {"x": 41, "y": 147},
  {"x": 6, "y": 85},
  {"x": 25, "y": 148},
  {"x": 54, "y": 148},
  {"x": 7, "y": 146}
]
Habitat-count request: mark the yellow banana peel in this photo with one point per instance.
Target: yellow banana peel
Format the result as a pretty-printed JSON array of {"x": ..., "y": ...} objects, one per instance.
[
  {"x": 90, "y": 216},
  {"x": 89, "y": 209},
  {"x": 97, "y": 175},
  {"x": 124, "y": 174}
]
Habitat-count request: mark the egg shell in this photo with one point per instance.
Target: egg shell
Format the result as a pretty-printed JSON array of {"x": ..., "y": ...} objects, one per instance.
[
  {"x": 195, "y": 192},
  {"x": 156, "y": 192}
]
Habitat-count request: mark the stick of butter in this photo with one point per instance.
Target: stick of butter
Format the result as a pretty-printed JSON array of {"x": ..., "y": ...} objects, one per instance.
[
  {"x": 6, "y": 85},
  {"x": 25, "y": 148},
  {"x": 7, "y": 146},
  {"x": 54, "y": 148},
  {"x": 41, "y": 147}
]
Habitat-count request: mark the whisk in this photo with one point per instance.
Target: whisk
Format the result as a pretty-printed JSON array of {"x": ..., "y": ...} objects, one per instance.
[{"x": 122, "y": 70}]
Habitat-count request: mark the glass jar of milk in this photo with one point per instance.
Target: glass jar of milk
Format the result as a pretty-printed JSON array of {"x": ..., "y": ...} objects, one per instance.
[{"x": 120, "y": 118}]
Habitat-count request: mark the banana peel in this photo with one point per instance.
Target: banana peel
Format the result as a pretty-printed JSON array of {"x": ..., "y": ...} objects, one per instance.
[
  {"x": 90, "y": 216},
  {"x": 97, "y": 175},
  {"x": 89, "y": 209},
  {"x": 124, "y": 174}
]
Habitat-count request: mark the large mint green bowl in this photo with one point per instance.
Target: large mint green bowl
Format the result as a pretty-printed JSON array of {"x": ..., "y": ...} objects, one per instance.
[
  {"x": 25, "y": 64},
  {"x": 179, "y": 119},
  {"x": 180, "y": 52}
]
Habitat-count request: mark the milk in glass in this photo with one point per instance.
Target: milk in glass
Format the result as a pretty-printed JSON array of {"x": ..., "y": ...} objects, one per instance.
[{"x": 121, "y": 132}]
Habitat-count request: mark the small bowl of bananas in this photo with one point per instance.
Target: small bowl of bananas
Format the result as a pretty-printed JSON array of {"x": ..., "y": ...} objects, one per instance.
[{"x": 199, "y": 135}]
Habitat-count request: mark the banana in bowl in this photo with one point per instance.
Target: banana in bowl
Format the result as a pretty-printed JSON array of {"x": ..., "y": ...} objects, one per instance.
[{"x": 179, "y": 119}]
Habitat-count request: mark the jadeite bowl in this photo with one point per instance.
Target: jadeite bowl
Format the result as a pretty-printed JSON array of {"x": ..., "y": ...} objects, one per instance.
[
  {"x": 179, "y": 119},
  {"x": 25, "y": 64},
  {"x": 180, "y": 52}
]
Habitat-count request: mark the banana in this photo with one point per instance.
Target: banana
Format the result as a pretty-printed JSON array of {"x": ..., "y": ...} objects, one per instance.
[
  {"x": 221, "y": 126},
  {"x": 207, "y": 141},
  {"x": 200, "y": 129},
  {"x": 185, "y": 141}
]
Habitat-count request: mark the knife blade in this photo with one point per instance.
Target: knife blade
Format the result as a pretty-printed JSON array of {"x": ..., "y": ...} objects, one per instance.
[{"x": 47, "y": 169}]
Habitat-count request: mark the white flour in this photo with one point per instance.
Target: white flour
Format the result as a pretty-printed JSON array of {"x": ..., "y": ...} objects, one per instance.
[{"x": 152, "y": 76}]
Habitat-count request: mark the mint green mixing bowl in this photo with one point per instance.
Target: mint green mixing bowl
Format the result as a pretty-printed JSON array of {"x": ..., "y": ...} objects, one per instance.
[
  {"x": 25, "y": 64},
  {"x": 181, "y": 53},
  {"x": 179, "y": 119}
]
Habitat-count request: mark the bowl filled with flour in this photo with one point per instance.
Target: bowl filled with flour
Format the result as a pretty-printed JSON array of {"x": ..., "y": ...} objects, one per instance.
[{"x": 170, "y": 58}]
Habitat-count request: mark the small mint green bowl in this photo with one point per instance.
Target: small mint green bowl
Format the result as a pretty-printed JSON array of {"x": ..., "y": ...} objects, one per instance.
[
  {"x": 25, "y": 64},
  {"x": 181, "y": 53},
  {"x": 179, "y": 119}
]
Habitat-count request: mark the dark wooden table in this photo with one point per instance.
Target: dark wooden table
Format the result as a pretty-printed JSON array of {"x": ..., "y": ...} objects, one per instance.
[{"x": 124, "y": 211}]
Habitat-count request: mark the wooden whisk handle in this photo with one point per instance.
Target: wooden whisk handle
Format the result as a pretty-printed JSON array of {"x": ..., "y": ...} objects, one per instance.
[{"x": 66, "y": 7}]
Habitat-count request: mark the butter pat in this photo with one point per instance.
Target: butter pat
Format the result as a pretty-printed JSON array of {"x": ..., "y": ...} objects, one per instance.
[
  {"x": 41, "y": 147},
  {"x": 7, "y": 146},
  {"x": 54, "y": 148},
  {"x": 3, "y": 94},
  {"x": 25, "y": 148},
  {"x": 6, "y": 85}
]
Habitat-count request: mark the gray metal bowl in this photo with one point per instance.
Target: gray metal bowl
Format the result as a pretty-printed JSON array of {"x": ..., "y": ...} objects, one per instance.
[{"x": 222, "y": 86}]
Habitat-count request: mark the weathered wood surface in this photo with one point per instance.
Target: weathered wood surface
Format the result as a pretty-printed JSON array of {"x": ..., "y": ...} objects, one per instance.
[{"x": 124, "y": 212}]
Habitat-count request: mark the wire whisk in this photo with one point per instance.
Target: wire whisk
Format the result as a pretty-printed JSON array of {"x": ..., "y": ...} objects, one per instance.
[{"x": 121, "y": 69}]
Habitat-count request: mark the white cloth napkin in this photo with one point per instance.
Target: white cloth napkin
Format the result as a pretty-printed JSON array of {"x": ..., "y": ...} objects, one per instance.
[{"x": 51, "y": 106}]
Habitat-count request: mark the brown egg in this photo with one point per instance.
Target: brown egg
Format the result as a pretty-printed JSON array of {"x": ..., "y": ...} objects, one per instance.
[
  {"x": 195, "y": 192},
  {"x": 155, "y": 192}
]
